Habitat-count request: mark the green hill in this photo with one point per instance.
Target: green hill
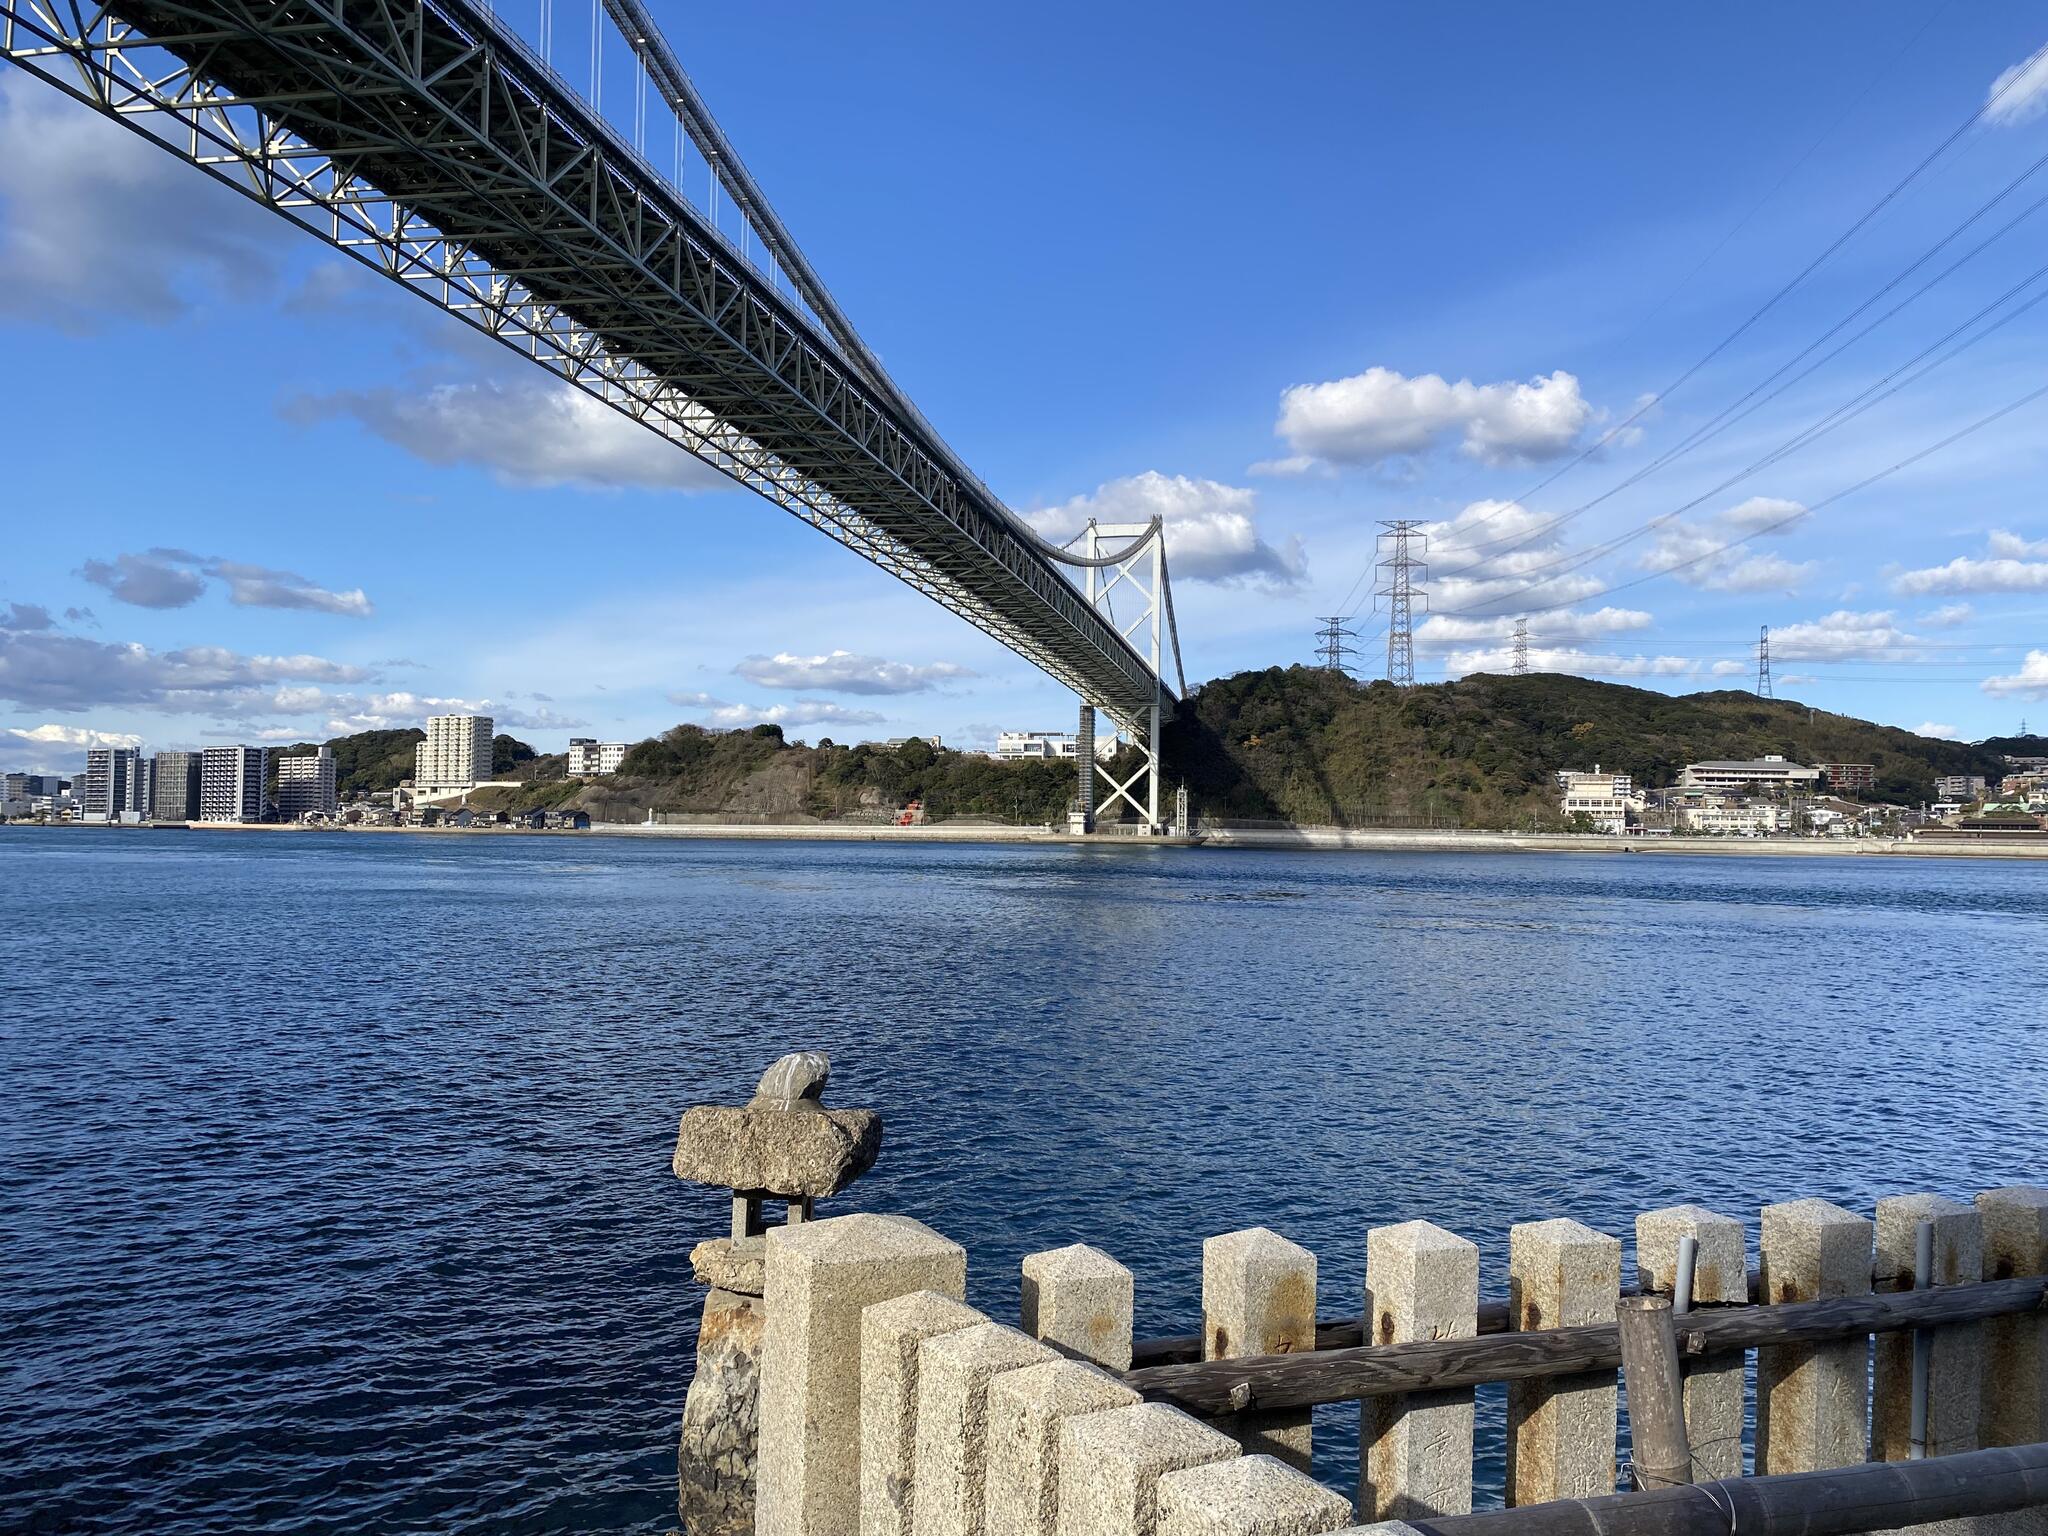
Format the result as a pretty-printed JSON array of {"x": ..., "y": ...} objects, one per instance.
[{"x": 1306, "y": 745}]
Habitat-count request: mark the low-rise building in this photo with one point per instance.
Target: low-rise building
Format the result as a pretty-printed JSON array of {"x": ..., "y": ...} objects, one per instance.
[
  {"x": 1571, "y": 780},
  {"x": 1849, "y": 778},
  {"x": 1742, "y": 775},
  {"x": 590, "y": 759},
  {"x": 1015, "y": 746},
  {"x": 1730, "y": 818}
]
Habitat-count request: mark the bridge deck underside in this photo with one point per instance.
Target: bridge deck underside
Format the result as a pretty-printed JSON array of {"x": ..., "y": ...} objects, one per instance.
[{"x": 423, "y": 103}]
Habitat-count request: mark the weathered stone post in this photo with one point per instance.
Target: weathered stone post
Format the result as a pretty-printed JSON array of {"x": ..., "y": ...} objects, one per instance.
[
  {"x": 2015, "y": 1410},
  {"x": 1561, "y": 1274},
  {"x": 1251, "y": 1496},
  {"x": 892, "y": 1336},
  {"x": 1956, "y": 1370},
  {"x": 1259, "y": 1298},
  {"x": 1415, "y": 1451},
  {"x": 1081, "y": 1302},
  {"x": 782, "y": 1145},
  {"x": 952, "y": 1422},
  {"x": 1025, "y": 1411},
  {"x": 1812, "y": 1399},
  {"x": 821, "y": 1276},
  {"x": 1111, "y": 1463},
  {"x": 1720, "y": 1273}
]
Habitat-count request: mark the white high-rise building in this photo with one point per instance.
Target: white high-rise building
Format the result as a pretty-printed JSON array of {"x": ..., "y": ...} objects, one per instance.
[
  {"x": 305, "y": 786},
  {"x": 231, "y": 783},
  {"x": 455, "y": 755},
  {"x": 116, "y": 784}
]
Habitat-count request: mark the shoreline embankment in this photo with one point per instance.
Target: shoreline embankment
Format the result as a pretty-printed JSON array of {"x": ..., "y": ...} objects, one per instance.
[{"x": 1296, "y": 839}]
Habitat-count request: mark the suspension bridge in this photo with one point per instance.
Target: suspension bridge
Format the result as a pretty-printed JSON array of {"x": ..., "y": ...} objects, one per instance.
[{"x": 428, "y": 140}]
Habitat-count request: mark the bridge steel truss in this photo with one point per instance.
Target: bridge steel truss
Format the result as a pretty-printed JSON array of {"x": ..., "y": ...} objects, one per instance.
[{"x": 423, "y": 140}]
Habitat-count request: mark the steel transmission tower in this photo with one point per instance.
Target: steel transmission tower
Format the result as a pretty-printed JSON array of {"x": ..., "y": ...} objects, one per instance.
[
  {"x": 1330, "y": 646},
  {"x": 1763, "y": 664},
  {"x": 1521, "y": 668},
  {"x": 1402, "y": 547}
]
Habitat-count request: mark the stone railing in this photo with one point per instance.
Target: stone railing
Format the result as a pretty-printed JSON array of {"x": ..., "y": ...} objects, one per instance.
[{"x": 889, "y": 1407}]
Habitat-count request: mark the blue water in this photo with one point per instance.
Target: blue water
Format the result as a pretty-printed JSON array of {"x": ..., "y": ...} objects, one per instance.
[{"x": 334, "y": 1192}]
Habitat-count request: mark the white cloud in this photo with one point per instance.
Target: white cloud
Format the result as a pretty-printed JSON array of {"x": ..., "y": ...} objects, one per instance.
[
  {"x": 525, "y": 431},
  {"x": 70, "y": 736},
  {"x": 2030, "y": 682},
  {"x": 1381, "y": 414},
  {"x": 1936, "y": 730},
  {"x": 2020, "y": 94},
  {"x": 1478, "y": 570},
  {"x": 1695, "y": 553},
  {"x": 1440, "y": 631},
  {"x": 101, "y": 226},
  {"x": 723, "y": 712},
  {"x": 1948, "y": 616},
  {"x": 844, "y": 672},
  {"x": 351, "y": 712},
  {"x": 175, "y": 578},
  {"x": 1212, "y": 531},
  {"x": 1844, "y": 634},
  {"x": 2012, "y": 564}
]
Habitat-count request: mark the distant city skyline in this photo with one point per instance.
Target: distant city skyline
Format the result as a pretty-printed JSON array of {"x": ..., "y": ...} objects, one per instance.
[{"x": 1416, "y": 268}]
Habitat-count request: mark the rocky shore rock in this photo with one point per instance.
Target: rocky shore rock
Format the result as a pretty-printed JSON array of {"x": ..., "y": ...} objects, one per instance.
[{"x": 721, "y": 1420}]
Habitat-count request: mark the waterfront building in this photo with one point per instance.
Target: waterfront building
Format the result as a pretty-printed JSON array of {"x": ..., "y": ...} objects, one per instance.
[
  {"x": 1850, "y": 778},
  {"x": 116, "y": 786},
  {"x": 1722, "y": 818},
  {"x": 1961, "y": 786},
  {"x": 231, "y": 783},
  {"x": 174, "y": 786},
  {"x": 305, "y": 785},
  {"x": 1572, "y": 779},
  {"x": 1013, "y": 746},
  {"x": 455, "y": 755},
  {"x": 1737, "y": 775},
  {"x": 590, "y": 759}
]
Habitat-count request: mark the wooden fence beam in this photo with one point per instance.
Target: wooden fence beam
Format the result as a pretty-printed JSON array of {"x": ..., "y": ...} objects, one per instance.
[{"x": 1344, "y": 1375}]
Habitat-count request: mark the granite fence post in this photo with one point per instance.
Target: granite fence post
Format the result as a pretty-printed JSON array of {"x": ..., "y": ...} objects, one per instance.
[
  {"x": 821, "y": 1276},
  {"x": 1250, "y": 1496},
  {"x": 1955, "y": 1373},
  {"x": 890, "y": 1335},
  {"x": 952, "y": 1421},
  {"x": 1561, "y": 1430},
  {"x": 1080, "y": 1301},
  {"x": 1111, "y": 1463},
  {"x": 1812, "y": 1399},
  {"x": 1025, "y": 1411},
  {"x": 1720, "y": 1274},
  {"x": 1415, "y": 1451},
  {"x": 2015, "y": 1381},
  {"x": 1259, "y": 1298}
]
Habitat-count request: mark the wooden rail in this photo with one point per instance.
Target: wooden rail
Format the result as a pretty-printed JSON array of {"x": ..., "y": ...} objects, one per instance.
[
  {"x": 1344, "y": 1375},
  {"x": 1874, "y": 1496},
  {"x": 1336, "y": 1332}
]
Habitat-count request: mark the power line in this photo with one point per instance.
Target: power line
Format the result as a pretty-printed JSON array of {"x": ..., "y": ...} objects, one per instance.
[
  {"x": 1331, "y": 648},
  {"x": 1405, "y": 544},
  {"x": 1654, "y": 400}
]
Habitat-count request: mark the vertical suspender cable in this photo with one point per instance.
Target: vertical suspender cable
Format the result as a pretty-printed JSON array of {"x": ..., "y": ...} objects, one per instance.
[{"x": 596, "y": 60}]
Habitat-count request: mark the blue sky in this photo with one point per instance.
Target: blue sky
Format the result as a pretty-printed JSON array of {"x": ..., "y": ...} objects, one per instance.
[{"x": 1276, "y": 278}]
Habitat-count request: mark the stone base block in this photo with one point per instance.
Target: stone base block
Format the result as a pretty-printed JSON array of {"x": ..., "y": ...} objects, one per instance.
[{"x": 715, "y": 1460}]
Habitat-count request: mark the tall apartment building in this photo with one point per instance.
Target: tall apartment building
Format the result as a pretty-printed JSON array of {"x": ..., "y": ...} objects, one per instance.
[
  {"x": 174, "y": 786},
  {"x": 589, "y": 759},
  {"x": 116, "y": 784},
  {"x": 231, "y": 783},
  {"x": 305, "y": 786},
  {"x": 1961, "y": 786},
  {"x": 455, "y": 755}
]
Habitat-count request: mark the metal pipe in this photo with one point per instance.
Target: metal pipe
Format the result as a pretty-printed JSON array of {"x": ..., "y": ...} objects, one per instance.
[
  {"x": 1681, "y": 1282},
  {"x": 1923, "y": 1341}
]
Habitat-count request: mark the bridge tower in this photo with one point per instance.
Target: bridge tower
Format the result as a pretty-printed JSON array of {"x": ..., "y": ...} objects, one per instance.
[{"x": 1127, "y": 559}]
